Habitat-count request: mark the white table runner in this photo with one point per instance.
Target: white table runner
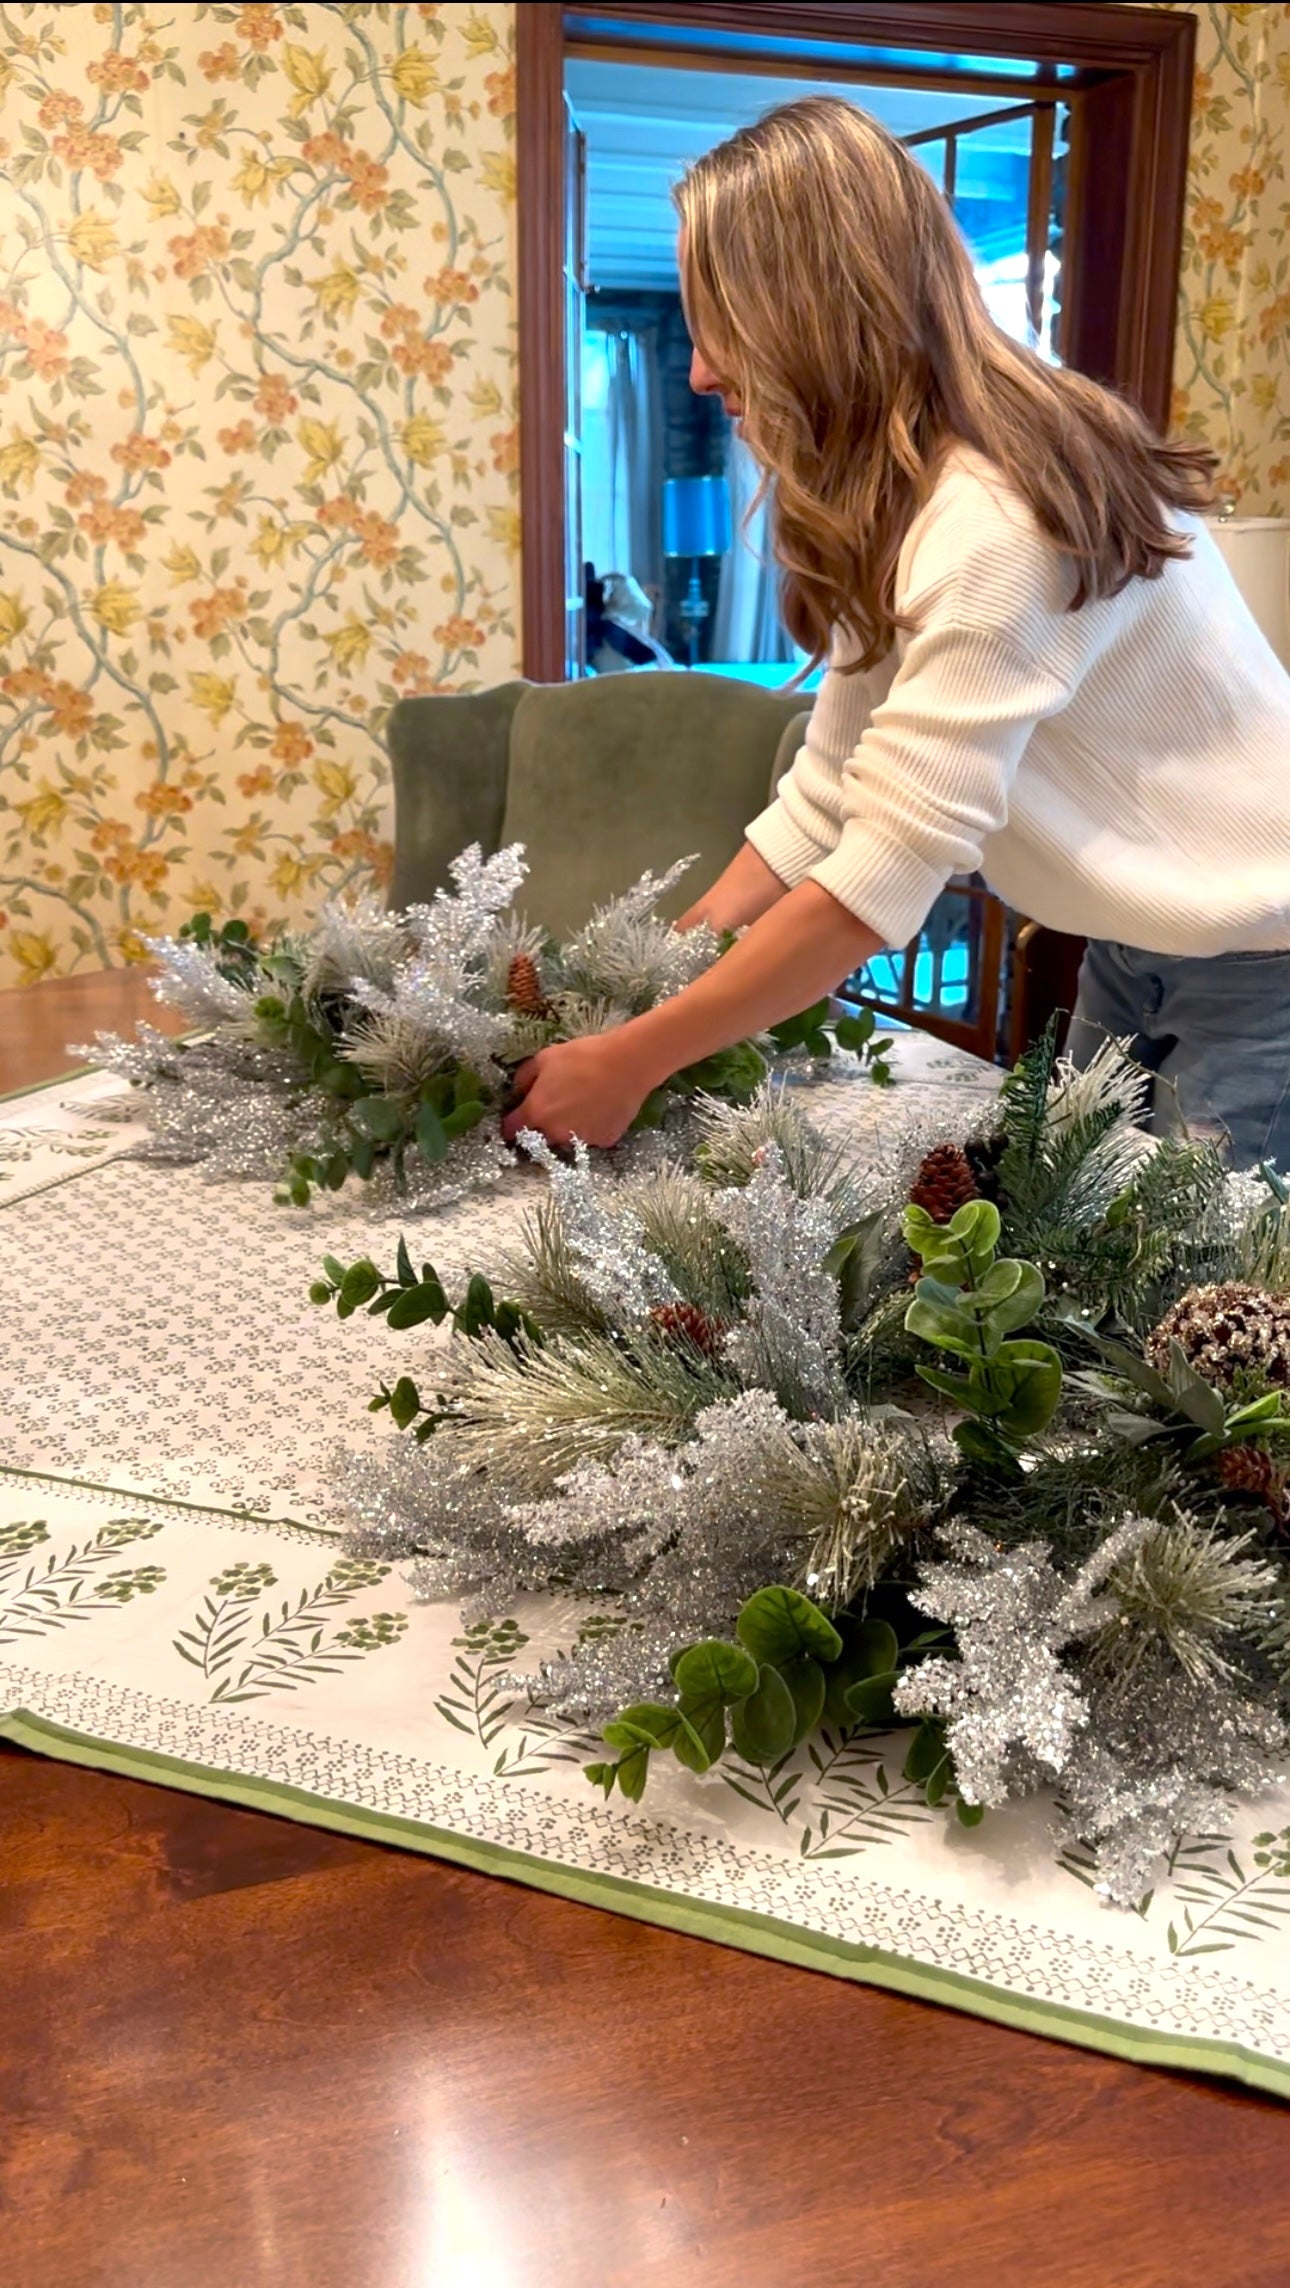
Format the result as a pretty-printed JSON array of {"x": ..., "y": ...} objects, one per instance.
[{"x": 174, "y": 1604}]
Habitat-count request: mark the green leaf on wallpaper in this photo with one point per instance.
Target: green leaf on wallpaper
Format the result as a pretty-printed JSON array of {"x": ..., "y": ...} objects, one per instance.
[{"x": 454, "y": 163}]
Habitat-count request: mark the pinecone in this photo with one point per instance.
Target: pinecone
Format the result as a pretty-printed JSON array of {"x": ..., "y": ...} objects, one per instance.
[
  {"x": 983, "y": 1156},
  {"x": 524, "y": 988},
  {"x": 944, "y": 1183},
  {"x": 1227, "y": 1330},
  {"x": 686, "y": 1323},
  {"x": 1251, "y": 1470}
]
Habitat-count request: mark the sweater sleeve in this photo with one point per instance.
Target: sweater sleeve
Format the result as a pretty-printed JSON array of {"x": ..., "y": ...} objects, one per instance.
[
  {"x": 930, "y": 779},
  {"x": 803, "y": 823},
  {"x": 908, "y": 770}
]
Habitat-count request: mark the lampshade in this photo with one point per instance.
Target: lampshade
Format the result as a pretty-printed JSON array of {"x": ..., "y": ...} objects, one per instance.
[
  {"x": 696, "y": 516},
  {"x": 1257, "y": 549}
]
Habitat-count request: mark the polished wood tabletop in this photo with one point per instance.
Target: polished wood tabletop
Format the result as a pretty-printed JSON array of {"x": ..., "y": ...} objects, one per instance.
[{"x": 242, "y": 2052}]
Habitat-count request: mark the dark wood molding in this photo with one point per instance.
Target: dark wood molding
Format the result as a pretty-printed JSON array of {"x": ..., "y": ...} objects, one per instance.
[
  {"x": 1124, "y": 220},
  {"x": 1096, "y": 34},
  {"x": 539, "y": 60}
]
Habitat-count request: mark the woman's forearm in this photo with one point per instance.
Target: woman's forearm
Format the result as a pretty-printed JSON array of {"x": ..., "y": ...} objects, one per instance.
[
  {"x": 747, "y": 890},
  {"x": 799, "y": 951}
]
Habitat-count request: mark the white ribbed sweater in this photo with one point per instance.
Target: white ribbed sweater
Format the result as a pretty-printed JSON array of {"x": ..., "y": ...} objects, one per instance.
[{"x": 1122, "y": 771}]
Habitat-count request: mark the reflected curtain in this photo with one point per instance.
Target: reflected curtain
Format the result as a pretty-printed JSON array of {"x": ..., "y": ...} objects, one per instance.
[
  {"x": 747, "y": 625},
  {"x": 635, "y": 438}
]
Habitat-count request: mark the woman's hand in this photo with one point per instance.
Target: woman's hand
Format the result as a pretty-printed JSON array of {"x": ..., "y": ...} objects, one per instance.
[{"x": 591, "y": 1089}]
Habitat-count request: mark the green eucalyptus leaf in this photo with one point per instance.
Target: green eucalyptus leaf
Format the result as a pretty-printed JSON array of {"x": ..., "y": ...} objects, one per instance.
[
  {"x": 700, "y": 1737},
  {"x": 432, "y": 1136},
  {"x": 478, "y": 1307},
  {"x": 808, "y": 1685},
  {"x": 927, "y": 1750},
  {"x": 869, "y": 1649},
  {"x": 379, "y": 1117},
  {"x": 714, "y": 1674},
  {"x": 362, "y": 1158},
  {"x": 855, "y": 1032},
  {"x": 776, "y": 1624},
  {"x": 1029, "y": 1375},
  {"x": 764, "y": 1726},
  {"x": 462, "y": 1119},
  {"x": 969, "y": 1814},
  {"x": 957, "y": 1387},
  {"x": 412, "y": 1306},
  {"x": 403, "y": 1265},
  {"x": 947, "y": 1330},
  {"x": 405, "y": 1402},
  {"x": 979, "y": 1442},
  {"x": 976, "y": 1227},
  {"x": 869, "y": 1699},
  {"x": 359, "y": 1284}
]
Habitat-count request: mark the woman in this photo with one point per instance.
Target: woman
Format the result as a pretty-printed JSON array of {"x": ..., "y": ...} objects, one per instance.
[{"x": 1039, "y": 666}]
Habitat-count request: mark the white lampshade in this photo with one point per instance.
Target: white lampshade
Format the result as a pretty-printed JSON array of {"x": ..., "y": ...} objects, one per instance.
[{"x": 1257, "y": 549}]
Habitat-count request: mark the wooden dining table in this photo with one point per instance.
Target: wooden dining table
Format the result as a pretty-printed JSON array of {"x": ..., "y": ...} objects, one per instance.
[{"x": 239, "y": 2051}]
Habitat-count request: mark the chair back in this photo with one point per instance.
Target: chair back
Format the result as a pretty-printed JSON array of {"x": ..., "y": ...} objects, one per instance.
[{"x": 598, "y": 779}]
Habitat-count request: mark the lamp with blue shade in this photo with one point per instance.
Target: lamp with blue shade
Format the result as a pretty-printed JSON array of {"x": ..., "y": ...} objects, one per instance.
[{"x": 696, "y": 522}]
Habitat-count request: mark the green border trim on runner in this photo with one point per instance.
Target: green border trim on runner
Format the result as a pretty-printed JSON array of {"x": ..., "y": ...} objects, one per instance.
[{"x": 694, "y": 1918}]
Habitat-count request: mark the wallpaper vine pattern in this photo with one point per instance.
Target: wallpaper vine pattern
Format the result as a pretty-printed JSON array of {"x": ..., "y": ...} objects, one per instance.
[
  {"x": 258, "y": 446},
  {"x": 1233, "y": 354}
]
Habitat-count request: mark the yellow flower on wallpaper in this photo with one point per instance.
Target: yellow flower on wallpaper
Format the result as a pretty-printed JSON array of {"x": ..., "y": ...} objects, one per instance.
[
  {"x": 35, "y": 954},
  {"x": 423, "y": 439},
  {"x": 338, "y": 292},
  {"x": 160, "y": 194},
  {"x": 324, "y": 445},
  {"x": 481, "y": 34},
  {"x": 498, "y": 171},
  {"x": 310, "y": 76},
  {"x": 192, "y": 341},
  {"x": 183, "y": 564},
  {"x": 350, "y": 645},
  {"x": 93, "y": 240},
  {"x": 337, "y": 785},
  {"x": 266, "y": 316},
  {"x": 214, "y": 694},
  {"x": 45, "y": 811},
  {"x": 14, "y": 616},
  {"x": 414, "y": 74},
  {"x": 19, "y": 461},
  {"x": 1216, "y": 317},
  {"x": 256, "y": 179},
  {"x": 116, "y": 607}
]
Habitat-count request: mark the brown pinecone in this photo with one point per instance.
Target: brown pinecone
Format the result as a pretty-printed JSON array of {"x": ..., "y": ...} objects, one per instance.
[
  {"x": 944, "y": 1183},
  {"x": 524, "y": 988},
  {"x": 1250, "y": 1470},
  {"x": 686, "y": 1323},
  {"x": 1225, "y": 1330}
]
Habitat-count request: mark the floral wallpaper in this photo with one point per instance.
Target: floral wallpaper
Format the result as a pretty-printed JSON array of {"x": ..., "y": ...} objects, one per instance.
[
  {"x": 258, "y": 447},
  {"x": 258, "y": 443},
  {"x": 1232, "y": 373}
]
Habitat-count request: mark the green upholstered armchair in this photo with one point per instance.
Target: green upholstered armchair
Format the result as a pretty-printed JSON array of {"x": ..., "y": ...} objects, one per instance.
[{"x": 598, "y": 779}]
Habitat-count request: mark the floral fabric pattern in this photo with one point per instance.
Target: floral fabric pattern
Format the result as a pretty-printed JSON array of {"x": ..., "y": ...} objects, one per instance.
[
  {"x": 258, "y": 446},
  {"x": 1233, "y": 347}
]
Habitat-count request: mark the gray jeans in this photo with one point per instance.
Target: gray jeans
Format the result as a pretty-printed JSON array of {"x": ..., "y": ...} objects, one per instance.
[{"x": 1215, "y": 1031}]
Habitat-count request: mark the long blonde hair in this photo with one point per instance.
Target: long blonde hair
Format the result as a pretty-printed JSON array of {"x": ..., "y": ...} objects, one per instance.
[{"x": 825, "y": 281}]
